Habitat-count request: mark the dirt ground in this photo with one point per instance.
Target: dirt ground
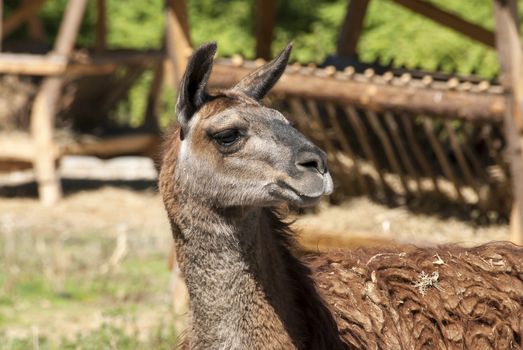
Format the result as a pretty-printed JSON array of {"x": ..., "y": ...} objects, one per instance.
[
  {"x": 362, "y": 218},
  {"x": 112, "y": 209},
  {"x": 105, "y": 206},
  {"x": 107, "y": 195}
]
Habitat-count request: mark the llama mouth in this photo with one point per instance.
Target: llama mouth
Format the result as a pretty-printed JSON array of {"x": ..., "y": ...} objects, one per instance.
[{"x": 297, "y": 196}]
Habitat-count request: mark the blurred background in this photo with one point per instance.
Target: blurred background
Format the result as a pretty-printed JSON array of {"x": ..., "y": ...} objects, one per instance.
[{"x": 417, "y": 103}]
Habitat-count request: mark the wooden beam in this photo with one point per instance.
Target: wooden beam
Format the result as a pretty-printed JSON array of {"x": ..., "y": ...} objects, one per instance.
[
  {"x": 20, "y": 148},
  {"x": 16, "y": 146},
  {"x": 511, "y": 60},
  {"x": 507, "y": 41},
  {"x": 151, "y": 115},
  {"x": 20, "y": 16},
  {"x": 450, "y": 20},
  {"x": 178, "y": 41},
  {"x": 101, "y": 25},
  {"x": 265, "y": 20},
  {"x": 14, "y": 165},
  {"x": 28, "y": 64},
  {"x": 1, "y": 22},
  {"x": 351, "y": 28},
  {"x": 35, "y": 26},
  {"x": 315, "y": 238},
  {"x": 112, "y": 146},
  {"x": 69, "y": 27},
  {"x": 98, "y": 64},
  {"x": 44, "y": 109},
  {"x": 376, "y": 96}
]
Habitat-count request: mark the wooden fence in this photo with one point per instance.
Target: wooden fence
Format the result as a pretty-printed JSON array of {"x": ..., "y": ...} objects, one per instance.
[{"x": 400, "y": 138}]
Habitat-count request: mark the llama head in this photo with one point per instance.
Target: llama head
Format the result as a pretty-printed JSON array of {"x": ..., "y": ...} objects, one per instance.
[{"x": 232, "y": 151}]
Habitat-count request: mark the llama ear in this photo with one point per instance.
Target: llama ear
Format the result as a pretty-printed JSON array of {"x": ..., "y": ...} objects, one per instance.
[
  {"x": 258, "y": 83},
  {"x": 192, "y": 93}
]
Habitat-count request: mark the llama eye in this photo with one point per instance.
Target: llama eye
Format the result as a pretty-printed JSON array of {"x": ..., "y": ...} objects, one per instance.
[{"x": 227, "y": 137}]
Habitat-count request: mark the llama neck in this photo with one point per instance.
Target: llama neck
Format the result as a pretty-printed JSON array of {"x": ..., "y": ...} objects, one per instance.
[
  {"x": 237, "y": 280},
  {"x": 246, "y": 289}
]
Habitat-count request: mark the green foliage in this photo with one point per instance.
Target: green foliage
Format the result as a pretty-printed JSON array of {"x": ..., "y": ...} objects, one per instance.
[
  {"x": 394, "y": 33},
  {"x": 391, "y": 34},
  {"x": 312, "y": 26},
  {"x": 135, "y": 24},
  {"x": 228, "y": 22}
]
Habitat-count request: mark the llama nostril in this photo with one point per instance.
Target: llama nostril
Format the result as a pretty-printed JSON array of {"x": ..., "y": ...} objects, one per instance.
[
  {"x": 311, "y": 161},
  {"x": 310, "y": 164}
]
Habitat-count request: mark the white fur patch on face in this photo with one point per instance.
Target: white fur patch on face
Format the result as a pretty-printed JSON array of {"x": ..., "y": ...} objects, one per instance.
[
  {"x": 184, "y": 149},
  {"x": 328, "y": 185}
]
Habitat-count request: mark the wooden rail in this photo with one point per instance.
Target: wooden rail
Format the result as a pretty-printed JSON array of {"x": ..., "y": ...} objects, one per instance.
[
  {"x": 20, "y": 147},
  {"x": 47, "y": 65},
  {"x": 372, "y": 94}
]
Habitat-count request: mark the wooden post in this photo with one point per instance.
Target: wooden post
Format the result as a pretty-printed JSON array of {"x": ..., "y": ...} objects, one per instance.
[
  {"x": 36, "y": 29},
  {"x": 510, "y": 56},
  {"x": 45, "y": 152},
  {"x": 69, "y": 27},
  {"x": 178, "y": 40},
  {"x": 34, "y": 25},
  {"x": 265, "y": 19},
  {"x": 151, "y": 116},
  {"x": 44, "y": 109},
  {"x": 376, "y": 96},
  {"x": 21, "y": 15},
  {"x": 351, "y": 28},
  {"x": 1, "y": 21},
  {"x": 101, "y": 26}
]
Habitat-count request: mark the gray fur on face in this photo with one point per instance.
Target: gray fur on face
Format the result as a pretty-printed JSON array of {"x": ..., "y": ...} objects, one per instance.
[{"x": 263, "y": 172}]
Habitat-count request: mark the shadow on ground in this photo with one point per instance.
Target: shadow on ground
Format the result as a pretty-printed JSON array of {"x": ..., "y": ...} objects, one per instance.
[{"x": 71, "y": 186}]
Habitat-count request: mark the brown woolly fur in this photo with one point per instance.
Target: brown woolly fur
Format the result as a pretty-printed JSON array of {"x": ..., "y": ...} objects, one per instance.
[
  {"x": 321, "y": 330},
  {"x": 223, "y": 100},
  {"x": 228, "y": 164},
  {"x": 412, "y": 298}
]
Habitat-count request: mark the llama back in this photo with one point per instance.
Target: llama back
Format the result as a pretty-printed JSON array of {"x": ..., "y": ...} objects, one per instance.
[{"x": 434, "y": 298}]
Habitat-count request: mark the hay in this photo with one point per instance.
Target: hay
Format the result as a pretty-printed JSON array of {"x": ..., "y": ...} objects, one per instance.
[{"x": 425, "y": 281}]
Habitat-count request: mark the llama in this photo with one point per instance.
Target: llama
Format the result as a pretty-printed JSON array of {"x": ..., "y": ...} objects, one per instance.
[{"x": 228, "y": 165}]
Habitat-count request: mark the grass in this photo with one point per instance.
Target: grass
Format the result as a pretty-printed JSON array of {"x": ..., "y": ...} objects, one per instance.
[
  {"x": 83, "y": 291},
  {"x": 105, "y": 337}
]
